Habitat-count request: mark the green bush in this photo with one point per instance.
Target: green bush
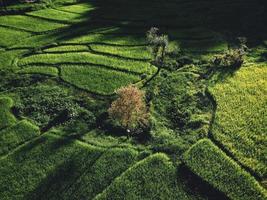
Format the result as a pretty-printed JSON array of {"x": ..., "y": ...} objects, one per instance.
[
  {"x": 232, "y": 58},
  {"x": 43, "y": 103},
  {"x": 211, "y": 164}
]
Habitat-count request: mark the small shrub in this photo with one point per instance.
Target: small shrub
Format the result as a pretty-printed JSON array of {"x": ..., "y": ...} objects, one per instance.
[
  {"x": 158, "y": 45},
  {"x": 233, "y": 57},
  {"x": 129, "y": 110}
]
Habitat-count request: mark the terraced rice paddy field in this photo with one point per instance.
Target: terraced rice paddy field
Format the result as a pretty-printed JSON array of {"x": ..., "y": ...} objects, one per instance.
[{"x": 60, "y": 66}]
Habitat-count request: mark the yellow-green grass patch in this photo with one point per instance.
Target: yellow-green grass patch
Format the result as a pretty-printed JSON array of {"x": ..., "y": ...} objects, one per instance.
[
  {"x": 240, "y": 122},
  {"x": 66, "y": 48}
]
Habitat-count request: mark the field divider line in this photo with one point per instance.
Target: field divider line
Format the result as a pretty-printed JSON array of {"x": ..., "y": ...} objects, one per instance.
[
  {"x": 34, "y": 33},
  {"x": 91, "y": 50},
  {"x": 65, "y": 11},
  {"x": 85, "y": 64},
  {"x": 101, "y": 43},
  {"x": 17, "y": 29},
  {"x": 63, "y": 22}
]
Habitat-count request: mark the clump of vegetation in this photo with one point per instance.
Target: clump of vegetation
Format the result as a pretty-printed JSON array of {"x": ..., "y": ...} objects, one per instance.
[
  {"x": 43, "y": 103},
  {"x": 129, "y": 111},
  {"x": 158, "y": 45},
  {"x": 234, "y": 57}
]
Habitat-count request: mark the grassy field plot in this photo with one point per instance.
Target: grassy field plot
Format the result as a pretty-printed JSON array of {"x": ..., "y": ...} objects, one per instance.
[
  {"x": 210, "y": 163},
  {"x": 10, "y": 36},
  {"x": 100, "y": 175},
  {"x": 28, "y": 23},
  {"x": 96, "y": 79},
  {"x": 151, "y": 178},
  {"x": 82, "y": 8},
  {"x": 128, "y": 52},
  {"x": 240, "y": 122},
  {"x": 88, "y": 58},
  {"x": 66, "y": 49},
  {"x": 45, "y": 70},
  {"x": 57, "y": 15}
]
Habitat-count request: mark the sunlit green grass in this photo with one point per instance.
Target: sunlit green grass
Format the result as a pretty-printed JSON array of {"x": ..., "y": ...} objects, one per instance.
[
  {"x": 46, "y": 70},
  {"x": 66, "y": 48},
  {"x": 129, "y": 52},
  {"x": 96, "y": 79},
  {"x": 57, "y": 15},
  {"x": 107, "y": 38},
  {"x": 10, "y": 36},
  {"x": 36, "y": 41},
  {"x": 82, "y": 8},
  {"x": 240, "y": 122},
  {"x": 29, "y": 23},
  {"x": 87, "y": 58}
]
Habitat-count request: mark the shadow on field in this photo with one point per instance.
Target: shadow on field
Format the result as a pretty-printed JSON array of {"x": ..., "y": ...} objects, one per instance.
[
  {"x": 50, "y": 187},
  {"x": 231, "y": 17},
  {"x": 197, "y": 186}
]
